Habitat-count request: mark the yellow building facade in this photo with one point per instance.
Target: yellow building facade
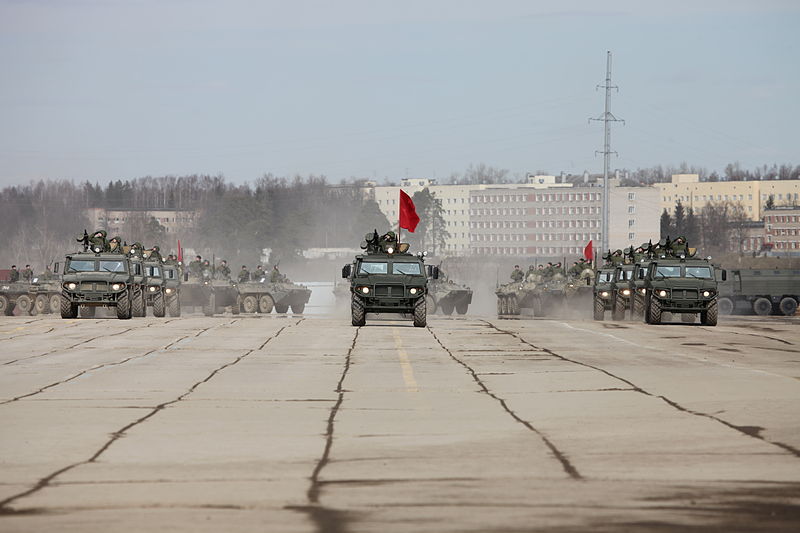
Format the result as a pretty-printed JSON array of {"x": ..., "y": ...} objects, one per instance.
[{"x": 752, "y": 195}]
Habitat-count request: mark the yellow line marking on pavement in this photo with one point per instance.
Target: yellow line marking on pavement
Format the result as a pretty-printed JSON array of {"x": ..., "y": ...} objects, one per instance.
[{"x": 405, "y": 363}]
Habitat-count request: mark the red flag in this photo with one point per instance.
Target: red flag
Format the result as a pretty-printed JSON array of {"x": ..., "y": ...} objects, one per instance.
[
  {"x": 180, "y": 252},
  {"x": 588, "y": 252},
  {"x": 408, "y": 213}
]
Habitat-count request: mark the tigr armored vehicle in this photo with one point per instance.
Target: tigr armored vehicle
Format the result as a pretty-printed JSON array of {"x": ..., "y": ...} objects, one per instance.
[
  {"x": 387, "y": 279},
  {"x": 681, "y": 286},
  {"x": 96, "y": 279},
  {"x": 764, "y": 291},
  {"x": 603, "y": 292},
  {"x": 623, "y": 290},
  {"x": 138, "y": 284},
  {"x": 639, "y": 290},
  {"x": 445, "y": 295},
  {"x": 154, "y": 287},
  {"x": 172, "y": 288}
]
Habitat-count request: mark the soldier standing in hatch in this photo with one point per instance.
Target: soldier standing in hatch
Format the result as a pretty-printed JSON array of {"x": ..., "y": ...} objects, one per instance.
[
  {"x": 47, "y": 275},
  {"x": 259, "y": 274},
  {"x": 244, "y": 274},
  {"x": 196, "y": 266},
  {"x": 275, "y": 275},
  {"x": 14, "y": 274},
  {"x": 98, "y": 240},
  {"x": 27, "y": 274},
  {"x": 115, "y": 244},
  {"x": 517, "y": 274},
  {"x": 223, "y": 270}
]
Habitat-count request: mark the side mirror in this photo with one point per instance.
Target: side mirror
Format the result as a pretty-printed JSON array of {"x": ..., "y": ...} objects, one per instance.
[
  {"x": 724, "y": 275},
  {"x": 185, "y": 276},
  {"x": 588, "y": 281},
  {"x": 56, "y": 267},
  {"x": 435, "y": 272},
  {"x": 346, "y": 270}
]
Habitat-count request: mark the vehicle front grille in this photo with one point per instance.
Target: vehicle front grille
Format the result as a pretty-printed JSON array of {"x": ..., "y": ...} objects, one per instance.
[
  {"x": 685, "y": 294},
  {"x": 94, "y": 286},
  {"x": 390, "y": 291}
]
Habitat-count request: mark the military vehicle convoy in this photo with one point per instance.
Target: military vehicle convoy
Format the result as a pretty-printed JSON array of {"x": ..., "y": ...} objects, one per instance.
[
  {"x": 15, "y": 295},
  {"x": 603, "y": 290},
  {"x": 95, "y": 279},
  {"x": 154, "y": 287},
  {"x": 623, "y": 290},
  {"x": 761, "y": 291},
  {"x": 172, "y": 289},
  {"x": 445, "y": 295},
  {"x": 517, "y": 295},
  {"x": 388, "y": 279}
]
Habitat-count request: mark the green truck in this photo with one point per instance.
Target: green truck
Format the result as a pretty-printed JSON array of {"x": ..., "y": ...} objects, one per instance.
[
  {"x": 172, "y": 288},
  {"x": 96, "y": 279},
  {"x": 684, "y": 286},
  {"x": 761, "y": 291},
  {"x": 603, "y": 292}
]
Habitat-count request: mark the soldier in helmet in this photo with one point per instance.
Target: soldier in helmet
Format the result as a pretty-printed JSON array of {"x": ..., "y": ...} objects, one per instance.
[
  {"x": 196, "y": 266},
  {"x": 14, "y": 274},
  {"x": 205, "y": 269},
  {"x": 388, "y": 240},
  {"x": 115, "y": 244},
  {"x": 679, "y": 247},
  {"x": 155, "y": 253},
  {"x": 98, "y": 240},
  {"x": 531, "y": 272},
  {"x": 259, "y": 273},
  {"x": 275, "y": 276},
  {"x": 223, "y": 270},
  {"x": 27, "y": 274},
  {"x": 575, "y": 270},
  {"x": 244, "y": 274},
  {"x": 517, "y": 274}
]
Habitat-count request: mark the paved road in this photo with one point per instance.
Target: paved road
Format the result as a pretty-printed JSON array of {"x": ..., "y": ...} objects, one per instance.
[{"x": 286, "y": 423}]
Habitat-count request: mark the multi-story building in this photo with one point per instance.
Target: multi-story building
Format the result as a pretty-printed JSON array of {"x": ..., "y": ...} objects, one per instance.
[
  {"x": 553, "y": 223},
  {"x": 114, "y": 220},
  {"x": 782, "y": 229},
  {"x": 752, "y": 195}
]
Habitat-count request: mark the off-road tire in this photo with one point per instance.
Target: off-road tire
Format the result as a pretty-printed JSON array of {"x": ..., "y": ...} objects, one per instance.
[
  {"x": 174, "y": 306},
  {"x": 41, "y": 305},
  {"x": 67, "y": 308},
  {"x": 420, "y": 313},
  {"x": 461, "y": 308},
  {"x": 265, "y": 304},
  {"x": 637, "y": 307},
  {"x": 236, "y": 308},
  {"x": 159, "y": 309},
  {"x": 358, "y": 313},
  {"x": 24, "y": 304},
  {"x": 538, "y": 309},
  {"x": 762, "y": 307},
  {"x": 447, "y": 308},
  {"x": 432, "y": 307},
  {"x": 281, "y": 308},
  {"x": 138, "y": 305},
  {"x": 87, "y": 311},
  {"x": 618, "y": 309},
  {"x": 210, "y": 305},
  {"x": 599, "y": 309},
  {"x": 688, "y": 318},
  {"x": 710, "y": 315},
  {"x": 654, "y": 312},
  {"x": 726, "y": 306},
  {"x": 249, "y": 304},
  {"x": 788, "y": 306},
  {"x": 499, "y": 305},
  {"x": 124, "y": 305},
  {"x": 5, "y": 306},
  {"x": 55, "y": 303},
  {"x": 298, "y": 308}
]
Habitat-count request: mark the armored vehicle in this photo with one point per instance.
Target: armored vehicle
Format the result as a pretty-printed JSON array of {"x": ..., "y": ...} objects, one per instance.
[
  {"x": 154, "y": 287},
  {"x": 223, "y": 294},
  {"x": 15, "y": 295},
  {"x": 603, "y": 289},
  {"x": 264, "y": 296},
  {"x": 762, "y": 291},
  {"x": 639, "y": 289},
  {"x": 681, "y": 286},
  {"x": 513, "y": 297},
  {"x": 96, "y": 279},
  {"x": 445, "y": 295},
  {"x": 623, "y": 290},
  {"x": 579, "y": 290},
  {"x": 196, "y": 292},
  {"x": 46, "y": 294},
  {"x": 387, "y": 279},
  {"x": 138, "y": 284},
  {"x": 172, "y": 288}
]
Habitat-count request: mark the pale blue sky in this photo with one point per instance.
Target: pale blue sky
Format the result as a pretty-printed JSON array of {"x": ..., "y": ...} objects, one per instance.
[{"x": 106, "y": 89}]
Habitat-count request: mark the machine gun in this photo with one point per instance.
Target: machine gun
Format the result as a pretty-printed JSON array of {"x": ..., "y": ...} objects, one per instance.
[{"x": 84, "y": 240}]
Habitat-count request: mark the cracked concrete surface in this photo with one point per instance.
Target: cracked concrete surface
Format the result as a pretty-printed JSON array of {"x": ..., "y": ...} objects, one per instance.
[{"x": 292, "y": 424}]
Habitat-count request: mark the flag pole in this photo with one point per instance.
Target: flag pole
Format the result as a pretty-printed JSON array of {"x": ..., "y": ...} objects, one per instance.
[{"x": 400, "y": 199}]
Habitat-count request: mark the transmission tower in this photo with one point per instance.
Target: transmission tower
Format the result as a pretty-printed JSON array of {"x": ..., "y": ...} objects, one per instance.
[{"x": 606, "y": 118}]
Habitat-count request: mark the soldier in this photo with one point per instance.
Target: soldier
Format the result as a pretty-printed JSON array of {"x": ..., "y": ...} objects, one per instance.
[
  {"x": 575, "y": 270},
  {"x": 517, "y": 274},
  {"x": 135, "y": 249},
  {"x": 223, "y": 270},
  {"x": 275, "y": 275},
  {"x": 679, "y": 247},
  {"x": 47, "y": 275},
  {"x": 259, "y": 274},
  {"x": 388, "y": 240},
  {"x": 531, "y": 272},
  {"x": 27, "y": 274},
  {"x": 155, "y": 253},
  {"x": 14, "y": 274},
  {"x": 617, "y": 258},
  {"x": 196, "y": 266},
  {"x": 244, "y": 274},
  {"x": 205, "y": 269},
  {"x": 98, "y": 240}
]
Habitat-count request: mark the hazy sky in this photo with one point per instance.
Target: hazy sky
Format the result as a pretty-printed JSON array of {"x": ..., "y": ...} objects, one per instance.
[{"x": 102, "y": 89}]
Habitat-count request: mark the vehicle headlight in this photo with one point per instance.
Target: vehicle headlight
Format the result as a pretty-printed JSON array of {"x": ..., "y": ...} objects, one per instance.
[
  {"x": 116, "y": 286},
  {"x": 365, "y": 290},
  {"x": 153, "y": 289},
  {"x": 604, "y": 294},
  {"x": 97, "y": 249},
  {"x": 626, "y": 292},
  {"x": 413, "y": 290},
  {"x": 168, "y": 291},
  {"x": 643, "y": 291},
  {"x": 662, "y": 293},
  {"x": 390, "y": 250},
  {"x": 71, "y": 286},
  {"x": 706, "y": 294}
]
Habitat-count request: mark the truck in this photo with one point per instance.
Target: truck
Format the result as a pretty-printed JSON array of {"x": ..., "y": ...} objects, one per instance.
[
  {"x": 680, "y": 285},
  {"x": 761, "y": 291}
]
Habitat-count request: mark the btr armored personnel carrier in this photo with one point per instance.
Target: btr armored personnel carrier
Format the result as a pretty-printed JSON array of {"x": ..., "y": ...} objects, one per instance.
[
  {"x": 603, "y": 292},
  {"x": 387, "y": 279},
  {"x": 15, "y": 295},
  {"x": 762, "y": 291},
  {"x": 46, "y": 294},
  {"x": 445, "y": 295},
  {"x": 96, "y": 279},
  {"x": 264, "y": 296},
  {"x": 681, "y": 286}
]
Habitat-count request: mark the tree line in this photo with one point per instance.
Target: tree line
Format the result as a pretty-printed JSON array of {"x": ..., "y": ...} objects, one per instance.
[{"x": 720, "y": 227}]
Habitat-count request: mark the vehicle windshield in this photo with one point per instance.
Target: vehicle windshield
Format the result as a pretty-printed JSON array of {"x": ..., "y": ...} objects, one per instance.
[
  {"x": 604, "y": 276},
  {"x": 169, "y": 273},
  {"x": 81, "y": 265},
  {"x": 668, "y": 272},
  {"x": 153, "y": 271},
  {"x": 112, "y": 266},
  {"x": 625, "y": 275},
  {"x": 373, "y": 267},
  {"x": 406, "y": 268},
  {"x": 698, "y": 272}
]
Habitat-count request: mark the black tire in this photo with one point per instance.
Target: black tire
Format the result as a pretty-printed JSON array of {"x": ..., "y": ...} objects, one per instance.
[
  {"x": 138, "y": 305},
  {"x": 420, "y": 313},
  {"x": 281, "y": 308},
  {"x": 265, "y": 304},
  {"x": 710, "y": 315},
  {"x": 461, "y": 308},
  {"x": 358, "y": 314},
  {"x": 447, "y": 308},
  {"x": 210, "y": 305},
  {"x": 67, "y": 308},
  {"x": 599, "y": 309},
  {"x": 5, "y": 306},
  {"x": 159, "y": 309},
  {"x": 637, "y": 308},
  {"x": 788, "y": 306},
  {"x": 249, "y": 304},
  {"x": 298, "y": 308},
  {"x": 618, "y": 309},
  {"x": 431, "y": 305},
  {"x": 24, "y": 304},
  {"x": 55, "y": 303},
  {"x": 688, "y": 318},
  {"x": 174, "y": 306},
  {"x": 499, "y": 305},
  {"x": 654, "y": 312},
  {"x": 762, "y": 306},
  {"x": 41, "y": 305},
  {"x": 726, "y": 306},
  {"x": 124, "y": 305}
]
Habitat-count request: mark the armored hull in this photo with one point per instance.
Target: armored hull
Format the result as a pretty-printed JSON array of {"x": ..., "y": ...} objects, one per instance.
[
  {"x": 447, "y": 296},
  {"x": 263, "y": 297}
]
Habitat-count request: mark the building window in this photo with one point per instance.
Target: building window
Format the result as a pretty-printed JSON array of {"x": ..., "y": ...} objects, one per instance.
[
  {"x": 631, "y": 222},
  {"x": 631, "y": 196},
  {"x": 631, "y": 236},
  {"x": 631, "y": 209}
]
